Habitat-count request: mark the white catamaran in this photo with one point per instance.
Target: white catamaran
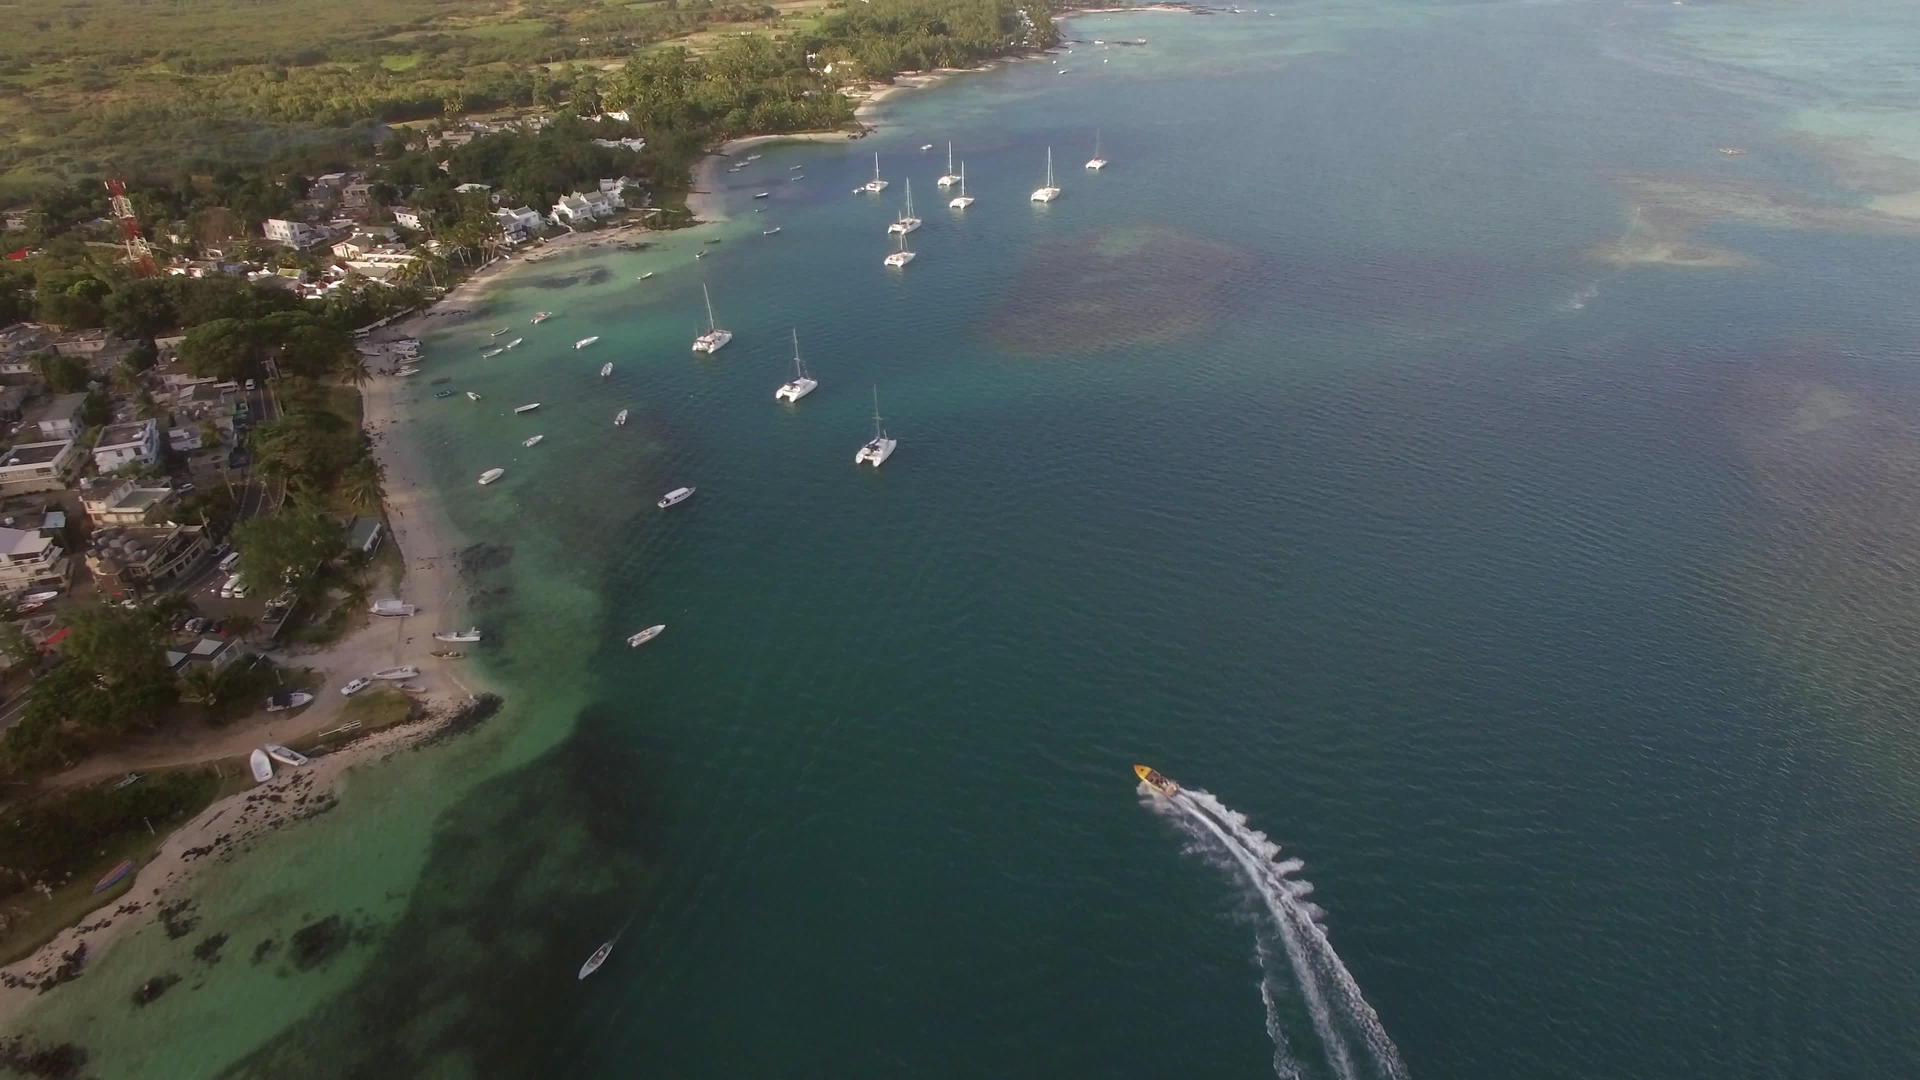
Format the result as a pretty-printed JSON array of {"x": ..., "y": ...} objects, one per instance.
[
  {"x": 902, "y": 257},
  {"x": 949, "y": 178},
  {"x": 715, "y": 338},
  {"x": 906, "y": 222},
  {"x": 876, "y": 185},
  {"x": 802, "y": 384},
  {"x": 880, "y": 447},
  {"x": 962, "y": 200},
  {"x": 1048, "y": 193},
  {"x": 1096, "y": 162}
]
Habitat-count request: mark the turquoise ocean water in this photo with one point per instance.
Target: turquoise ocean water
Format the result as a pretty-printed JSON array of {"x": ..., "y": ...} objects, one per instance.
[{"x": 1554, "y": 612}]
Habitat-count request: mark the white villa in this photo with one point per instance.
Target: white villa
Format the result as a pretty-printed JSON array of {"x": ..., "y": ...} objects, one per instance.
[
  {"x": 134, "y": 443},
  {"x": 519, "y": 224},
  {"x": 31, "y": 560},
  {"x": 295, "y": 234},
  {"x": 583, "y": 207}
]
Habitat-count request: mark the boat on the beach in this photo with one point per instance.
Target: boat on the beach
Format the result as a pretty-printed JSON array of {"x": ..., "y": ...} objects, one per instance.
[
  {"x": 599, "y": 957},
  {"x": 491, "y": 475},
  {"x": 412, "y": 688},
  {"x": 902, "y": 257},
  {"x": 949, "y": 178},
  {"x": 491, "y": 353},
  {"x": 1154, "y": 780},
  {"x": 286, "y": 755},
  {"x": 906, "y": 222},
  {"x": 500, "y": 331},
  {"x": 406, "y": 371},
  {"x": 392, "y": 608},
  {"x": 261, "y": 766},
  {"x": 876, "y": 185},
  {"x": 443, "y": 654},
  {"x": 715, "y": 338},
  {"x": 620, "y": 418},
  {"x": 606, "y": 369},
  {"x": 527, "y": 408},
  {"x": 515, "y": 342},
  {"x": 114, "y": 876},
  {"x": 540, "y": 317},
  {"x": 396, "y": 674},
  {"x": 800, "y": 385},
  {"x": 1047, "y": 193},
  {"x": 1096, "y": 162},
  {"x": 675, "y": 497},
  {"x": 532, "y": 441},
  {"x": 586, "y": 341},
  {"x": 962, "y": 200},
  {"x": 879, "y": 448},
  {"x": 471, "y": 633},
  {"x": 634, "y": 641},
  {"x": 471, "y": 396},
  {"x": 288, "y": 699}
]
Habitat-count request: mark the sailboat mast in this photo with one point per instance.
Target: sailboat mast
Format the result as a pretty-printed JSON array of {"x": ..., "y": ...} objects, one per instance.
[
  {"x": 876, "y": 413},
  {"x": 711, "y": 325},
  {"x": 876, "y": 164},
  {"x": 1049, "y": 166},
  {"x": 798, "y": 371}
]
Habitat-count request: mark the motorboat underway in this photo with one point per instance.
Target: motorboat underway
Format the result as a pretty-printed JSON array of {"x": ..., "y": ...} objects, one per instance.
[
  {"x": 261, "y": 766},
  {"x": 675, "y": 497},
  {"x": 880, "y": 447},
  {"x": 801, "y": 384},
  {"x": 472, "y": 633},
  {"x": 636, "y": 640},
  {"x": 586, "y": 341},
  {"x": 599, "y": 957},
  {"x": 902, "y": 257},
  {"x": 962, "y": 200},
  {"x": 396, "y": 674},
  {"x": 491, "y": 475},
  {"x": 1047, "y": 193},
  {"x": 356, "y": 686},
  {"x": 620, "y": 418},
  {"x": 906, "y": 222},
  {"x": 949, "y": 178},
  {"x": 606, "y": 369},
  {"x": 528, "y": 407},
  {"x": 515, "y": 342},
  {"x": 288, "y": 699},
  {"x": 471, "y": 396},
  {"x": 392, "y": 609},
  {"x": 532, "y": 441},
  {"x": 541, "y": 316},
  {"x": 1155, "y": 781},
  {"x": 876, "y": 185},
  {"x": 715, "y": 338},
  {"x": 285, "y": 755}
]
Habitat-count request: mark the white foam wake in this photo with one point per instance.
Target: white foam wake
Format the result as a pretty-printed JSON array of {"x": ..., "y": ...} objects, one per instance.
[{"x": 1348, "y": 1030}]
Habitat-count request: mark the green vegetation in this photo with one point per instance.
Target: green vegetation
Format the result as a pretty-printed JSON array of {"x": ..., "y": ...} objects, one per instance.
[{"x": 115, "y": 680}]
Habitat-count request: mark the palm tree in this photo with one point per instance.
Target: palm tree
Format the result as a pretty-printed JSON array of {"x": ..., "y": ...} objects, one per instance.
[
  {"x": 356, "y": 369},
  {"x": 361, "y": 484},
  {"x": 201, "y": 685}
]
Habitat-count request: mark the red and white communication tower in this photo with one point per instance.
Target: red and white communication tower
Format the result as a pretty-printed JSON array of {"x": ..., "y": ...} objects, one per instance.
[{"x": 138, "y": 253}]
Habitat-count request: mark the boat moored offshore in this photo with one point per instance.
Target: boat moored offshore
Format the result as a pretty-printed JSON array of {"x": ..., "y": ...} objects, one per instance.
[
  {"x": 675, "y": 497},
  {"x": 491, "y": 475},
  {"x": 801, "y": 384},
  {"x": 586, "y": 341},
  {"x": 636, "y": 640},
  {"x": 715, "y": 338},
  {"x": 879, "y": 448}
]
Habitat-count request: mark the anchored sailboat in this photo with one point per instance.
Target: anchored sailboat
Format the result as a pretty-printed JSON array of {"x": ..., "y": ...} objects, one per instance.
[
  {"x": 1048, "y": 193},
  {"x": 962, "y": 200},
  {"x": 715, "y": 338},
  {"x": 1096, "y": 162},
  {"x": 801, "y": 384},
  {"x": 949, "y": 179},
  {"x": 906, "y": 222},
  {"x": 880, "y": 447}
]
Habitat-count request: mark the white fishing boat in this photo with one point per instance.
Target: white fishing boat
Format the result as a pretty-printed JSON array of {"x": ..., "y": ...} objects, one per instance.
[
  {"x": 491, "y": 475},
  {"x": 906, "y": 222},
  {"x": 285, "y": 755},
  {"x": 586, "y": 341},
  {"x": 491, "y": 353},
  {"x": 770, "y": 232},
  {"x": 620, "y": 418},
  {"x": 396, "y": 674},
  {"x": 645, "y": 276},
  {"x": 606, "y": 369},
  {"x": 675, "y": 497},
  {"x": 515, "y": 342},
  {"x": 527, "y": 408},
  {"x": 1096, "y": 162},
  {"x": 902, "y": 257},
  {"x": 405, "y": 372},
  {"x": 540, "y": 317},
  {"x": 599, "y": 957},
  {"x": 1047, "y": 193},
  {"x": 876, "y": 185},
  {"x": 795, "y": 168},
  {"x": 356, "y": 686},
  {"x": 288, "y": 699},
  {"x": 962, "y": 200},
  {"x": 392, "y": 609},
  {"x": 880, "y": 447},
  {"x": 715, "y": 338},
  {"x": 261, "y": 766},
  {"x": 801, "y": 384},
  {"x": 471, "y": 633},
  {"x": 500, "y": 331},
  {"x": 950, "y": 178},
  {"x": 532, "y": 441},
  {"x": 636, "y": 640},
  {"x": 471, "y": 396},
  {"x": 761, "y": 194}
]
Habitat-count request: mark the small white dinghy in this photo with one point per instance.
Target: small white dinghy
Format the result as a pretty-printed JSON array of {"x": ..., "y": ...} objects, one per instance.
[
  {"x": 471, "y": 633},
  {"x": 527, "y": 408},
  {"x": 285, "y": 755},
  {"x": 620, "y": 418},
  {"x": 599, "y": 957},
  {"x": 396, "y": 674},
  {"x": 606, "y": 369},
  {"x": 533, "y": 440},
  {"x": 644, "y": 636},
  {"x": 261, "y": 765},
  {"x": 471, "y": 396}
]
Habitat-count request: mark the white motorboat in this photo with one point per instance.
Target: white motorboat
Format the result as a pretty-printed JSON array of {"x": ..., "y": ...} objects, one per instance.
[
  {"x": 491, "y": 475},
  {"x": 515, "y": 342},
  {"x": 392, "y": 609},
  {"x": 285, "y": 755},
  {"x": 962, "y": 200},
  {"x": 532, "y": 441},
  {"x": 285, "y": 700},
  {"x": 950, "y": 178},
  {"x": 599, "y": 957},
  {"x": 500, "y": 331},
  {"x": 761, "y": 194},
  {"x": 1096, "y": 162},
  {"x": 527, "y": 408},
  {"x": 396, "y": 674},
  {"x": 636, "y": 640},
  {"x": 770, "y": 232},
  {"x": 715, "y": 338},
  {"x": 801, "y": 384},
  {"x": 606, "y": 369},
  {"x": 471, "y": 633},
  {"x": 644, "y": 276},
  {"x": 1048, "y": 193},
  {"x": 541, "y": 316},
  {"x": 620, "y": 418},
  {"x": 902, "y": 257},
  {"x": 906, "y": 222},
  {"x": 676, "y": 497},
  {"x": 471, "y": 396},
  {"x": 924, "y": 147},
  {"x": 876, "y": 185},
  {"x": 405, "y": 372},
  {"x": 881, "y": 446},
  {"x": 261, "y": 766},
  {"x": 356, "y": 686},
  {"x": 795, "y": 168},
  {"x": 586, "y": 341},
  {"x": 491, "y": 353}
]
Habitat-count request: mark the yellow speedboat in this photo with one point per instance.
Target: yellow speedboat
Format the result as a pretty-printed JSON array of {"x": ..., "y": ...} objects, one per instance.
[{"x": 1155, "y": 781}]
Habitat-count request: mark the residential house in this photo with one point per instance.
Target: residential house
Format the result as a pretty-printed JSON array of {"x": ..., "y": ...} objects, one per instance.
[
  {"x": 211, "y": 652},
  {"x": 130, "y": 561},
  {"x": 519, "y": 224},
  {"x": 114, "y": 500},
  {"x": 136, "y": 442},
  {"x": 18, "y": 343},
  {"x": 31, "y": 560},
  {"x": 580, "y": 208},
  {"x": 372, "y": 238},
  {"x": 616, "y": 190},
  {"x": 408, "y": 218},
  {"x": 365, "y": 534},
  {"x": 58, "y": 417},
  {"x": 13, "y": 400},
  {"x": 295, "y": 234},
  {"x": 472, "y": 189},
  {"x": 40, "y": 466},
  {"x": 357, "y": 195},
  {"x": 634, "y": 144}
]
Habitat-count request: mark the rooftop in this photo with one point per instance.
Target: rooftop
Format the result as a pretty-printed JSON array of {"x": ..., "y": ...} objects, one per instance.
[
  {"x": 122, "y": 434},
  {"x": 34, "y": 453}
]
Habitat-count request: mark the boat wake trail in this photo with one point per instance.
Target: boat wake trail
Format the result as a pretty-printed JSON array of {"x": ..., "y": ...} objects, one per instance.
[{"x": 1297, "y": 960}]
